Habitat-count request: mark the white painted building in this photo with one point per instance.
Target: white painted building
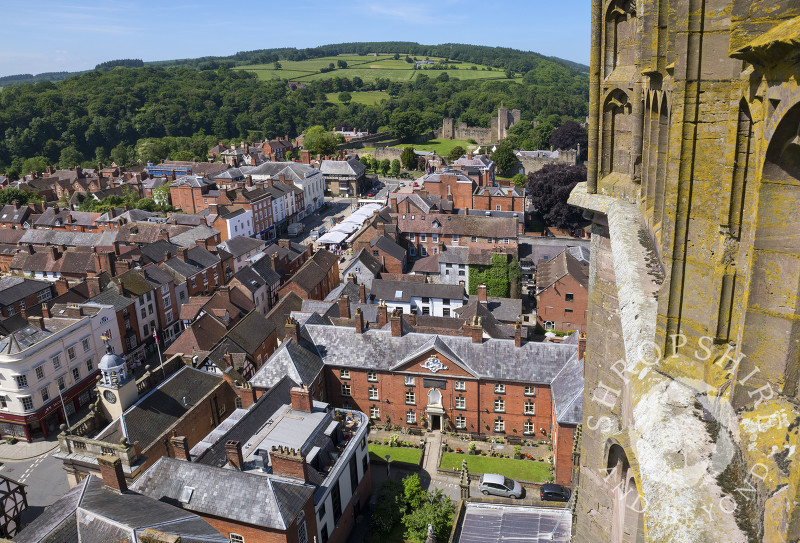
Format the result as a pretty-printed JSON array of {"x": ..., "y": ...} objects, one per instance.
[
  {"x": 434, "y": 299},
  {"x": 58, "y": 352}
]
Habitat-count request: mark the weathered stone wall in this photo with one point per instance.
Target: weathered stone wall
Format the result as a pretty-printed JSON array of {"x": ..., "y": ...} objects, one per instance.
[
  {"x": 497, "y": 130},
  {"x": 534, "y": 164},
  {"x": 692, "y": 361}
]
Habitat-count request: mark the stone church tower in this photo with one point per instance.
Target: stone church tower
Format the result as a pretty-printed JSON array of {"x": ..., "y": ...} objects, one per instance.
[{"x": 693, "y": 356}]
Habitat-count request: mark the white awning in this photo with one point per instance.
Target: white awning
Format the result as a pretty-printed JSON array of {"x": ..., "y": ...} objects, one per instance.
[{"x": 332, "y": 237}]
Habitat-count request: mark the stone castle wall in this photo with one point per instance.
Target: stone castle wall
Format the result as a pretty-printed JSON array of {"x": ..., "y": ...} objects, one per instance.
[
  {"x": 497, "y": 130},
  {"x": 692, "y": 363}
]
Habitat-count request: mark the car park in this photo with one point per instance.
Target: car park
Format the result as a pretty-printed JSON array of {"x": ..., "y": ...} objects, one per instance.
[
  {"x": 551, "y": 492},
  {"x": 499, "y": 485}
]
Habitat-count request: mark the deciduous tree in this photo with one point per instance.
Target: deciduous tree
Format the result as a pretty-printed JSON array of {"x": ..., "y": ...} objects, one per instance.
[
  {"x": 408, "y": 158},
  {"x": 550, "y": 188}
]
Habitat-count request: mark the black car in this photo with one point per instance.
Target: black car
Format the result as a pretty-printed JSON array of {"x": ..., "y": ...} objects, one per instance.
[{"x": 554, "y": 493}]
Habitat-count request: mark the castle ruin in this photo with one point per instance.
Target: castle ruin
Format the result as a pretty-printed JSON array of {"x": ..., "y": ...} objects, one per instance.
[
  {"x": 693, "y": 357},
  {"x": 498, "y": 128}
]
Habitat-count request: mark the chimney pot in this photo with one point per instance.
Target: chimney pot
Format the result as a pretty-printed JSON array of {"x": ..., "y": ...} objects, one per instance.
[
  {"x": 517, "y": 334},
  {"x": 362, "y": 293},
  {"x": 397, "y": 323},
  {"x": 292, "y": 329},
  {"x": 359, "y": 321},
  {"x": 383, "y": 314}
]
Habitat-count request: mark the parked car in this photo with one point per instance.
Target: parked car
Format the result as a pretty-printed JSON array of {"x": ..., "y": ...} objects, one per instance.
[
  {"x": 498, "y": 485},
  {"x": 552, "y": 492},
  {"x": 371, "y": 193},
  {"x": 416, "y": 184}
]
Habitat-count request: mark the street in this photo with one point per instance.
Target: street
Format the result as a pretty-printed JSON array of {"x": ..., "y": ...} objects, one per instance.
[{"x": 45, "y": 479}]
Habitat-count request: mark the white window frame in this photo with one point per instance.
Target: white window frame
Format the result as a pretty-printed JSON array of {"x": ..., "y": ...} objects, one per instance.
[
  {"x": 373, "y": 393},
  {"x": 344, "y": 374},
  {"x": 499, "y": 388},
  {"x": 410, "y": 394},
  {"x": 461, "y": 402},
  {"x": 529, "y": 408},
  {"x": 374, "y": 412},
  {"x": 528, "y": 428},
  {"x": 408, "y": 380},
  {"x": 530, "y": 390},
  {"x": 236, "y": 538},
  {"x": 346, "y": 390},
  {"x": 461, "y": 422},
  {"x": 411, "y": 417},
  {"x": 499, "y": 405},
  {"x": 372, "y": 376},
  {"x": 460, "y": 385},
  {"x": 500, "y": 425}
]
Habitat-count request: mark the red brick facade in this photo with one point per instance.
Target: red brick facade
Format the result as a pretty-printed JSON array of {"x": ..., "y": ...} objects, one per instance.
[
  {"x": 498, "y": 203},
  {"x": 479, "y": 397},
  {"x": 563, "y": 438},
  {"x": 564, "y": 304}
]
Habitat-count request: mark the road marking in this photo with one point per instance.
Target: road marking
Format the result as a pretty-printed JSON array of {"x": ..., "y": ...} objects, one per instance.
[{"x": 32, "y": 467}]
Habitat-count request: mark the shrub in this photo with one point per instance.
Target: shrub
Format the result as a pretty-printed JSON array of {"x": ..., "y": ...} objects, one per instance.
[
  {"x": 389, "y": 507},
  {"x": 393, "y": 440}
]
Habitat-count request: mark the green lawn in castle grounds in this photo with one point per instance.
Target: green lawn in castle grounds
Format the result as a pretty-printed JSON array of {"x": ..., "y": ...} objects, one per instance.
[
  {"x": 524, "y": 470},
  {"x": 367, "y": 98},
  {"x": 398, "y": 454},
  {"x": 440, "y": 147}
]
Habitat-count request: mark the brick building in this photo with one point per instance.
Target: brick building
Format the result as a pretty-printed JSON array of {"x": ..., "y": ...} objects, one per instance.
[
  {"x": 18, "y": 293},
  {"x": 426, "y": 234},
  {"x": 470, "y": 384},
  {"x": 316, "y": 278},
  {"x": 450, "y": 185},
  {"x": 562, "y": 290},
  {"x": 193, "y": 193},
  {"x": 309, "y": 468},
  {"x": 499, "y": 199}
]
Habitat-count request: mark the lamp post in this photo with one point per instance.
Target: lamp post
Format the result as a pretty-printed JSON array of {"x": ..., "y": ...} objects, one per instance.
[{"x": 388, "y": 462}]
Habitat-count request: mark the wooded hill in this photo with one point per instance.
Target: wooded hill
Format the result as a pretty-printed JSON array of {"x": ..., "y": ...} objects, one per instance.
[{"x": 159, "y": 111}]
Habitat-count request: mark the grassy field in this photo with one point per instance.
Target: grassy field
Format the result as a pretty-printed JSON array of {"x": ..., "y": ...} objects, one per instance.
[
  {"x": 367, "y": 98},
  {"x": 440, "y": 147},
  {"x": 368, "y": 68},
  {"x": 525, "y": 470},
  {"x": 398, "y": 454}
]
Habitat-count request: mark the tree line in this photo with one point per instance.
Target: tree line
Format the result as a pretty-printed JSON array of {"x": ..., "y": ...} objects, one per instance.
[{"x": 152, "y": 113}]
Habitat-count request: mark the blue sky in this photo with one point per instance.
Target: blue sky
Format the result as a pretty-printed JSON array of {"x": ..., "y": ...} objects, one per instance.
[{"x": 70, "y": 35}]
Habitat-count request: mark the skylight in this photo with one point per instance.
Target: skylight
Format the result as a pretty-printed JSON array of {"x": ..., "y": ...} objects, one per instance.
[{"x": 186, "y": 495}]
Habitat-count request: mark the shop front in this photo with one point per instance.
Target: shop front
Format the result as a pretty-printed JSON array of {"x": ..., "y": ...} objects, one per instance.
[{"x": 47, "y": 420}]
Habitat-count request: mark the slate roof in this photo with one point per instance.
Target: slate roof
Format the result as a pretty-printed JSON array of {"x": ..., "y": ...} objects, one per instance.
[
  {"x": 436, "y": 177},
  {"x": 250, "y": 279},
  {"x": 454, "y": 254},
  {"x": 567, "y": 392},
  {"x": 300, "y": 362},
  {"x": 503, "y": 309},
  {"x": 281, "y": 311},
  {"x": 241, "y": 245},
  {"x": 499, "y": 191},
  {"x": 251, "y": 423},
  {"x": 348, "y": 288},
  {"x": 75, "y": 261},
  {"x": 261, "y": 500},
  {"x": 478, "y": 161},
  {"x": 194, "y": 181},
  {"x": 112, "y": 297},
  {"x": 403, "y": 291},
  {"x": 295, "y": 171},
  {"x": 350, "y": 167},
  {"x": 93, "y": 513},
  {"x": 153, "y": 414},
  {"x": 314, "y": 270},
  {"x": 13, "y": 289},
  {"x": 428, "y": 264},
  {"x": 158, "y": 250},
  {"x": 60, "y": 237},
  {"x": 389, "y": 247},
  {"x": 550, "y": 271},
  {"x": 491, "y": 326},
  {"x": 189, "y": 237},
  {"x": 15, "y": 215},
  {"x": 462, "y": 225},
  {"x": 365, "y": 258},
  {"x": 377, "y": 349},
  {"x": 251, "y": 331}
]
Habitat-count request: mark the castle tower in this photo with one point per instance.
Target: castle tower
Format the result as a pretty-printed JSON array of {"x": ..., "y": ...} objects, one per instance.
[
  {"x": 502, "y": 123},
  {"x": 693, "y": 187},
  {"x": 117, "y": 388}
]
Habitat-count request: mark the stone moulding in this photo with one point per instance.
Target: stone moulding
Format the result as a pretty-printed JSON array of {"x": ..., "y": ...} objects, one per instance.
[{"x": 774, "y": 46}]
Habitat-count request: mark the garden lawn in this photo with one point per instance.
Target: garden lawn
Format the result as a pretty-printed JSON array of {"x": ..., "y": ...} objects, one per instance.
[
  {"x": 398, "y": 454},
  {"x": 525, "y": 470},
  {"x": 441, "y": 147}
]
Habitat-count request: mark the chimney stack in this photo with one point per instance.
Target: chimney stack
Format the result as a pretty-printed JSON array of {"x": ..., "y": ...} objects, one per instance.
[
  {"x": 62, "y": 286},
  {"x": 288, "y": 461},
  {"x": 45, "y": 311},
  {"x": 233, "y": 450},
  {"x": 344, "y": 307},
  {"x": 517, "y": 334},
  {"x": 183, "y": 254},
  {"x": 383, "y": 314},
  {"x": 359, "y": 321},
  {"x": 352, "y": 278},
  {"x": 362, "y": 293},
  {"x": 93, "y": 286},
  {"x": 111, "y": 472},
  {"x": 482, "y": 298},
  {"x": 38, "y": 322},
  {"x": 180, "y": 445},
  {"x": 397, "y": 323},
  {"x": 412, "y": 318},
  {"x": 292, "y": 328},
  {"x": 301, "y": 399},
  {"x": 476, "y": 330}
]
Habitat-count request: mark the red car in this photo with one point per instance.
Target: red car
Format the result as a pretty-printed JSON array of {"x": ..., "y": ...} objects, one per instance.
[{"x": 416, "y": 184}]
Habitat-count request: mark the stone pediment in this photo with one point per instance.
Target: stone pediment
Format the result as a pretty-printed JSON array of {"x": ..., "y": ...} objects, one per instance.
[{"x": 436, "y": 358}]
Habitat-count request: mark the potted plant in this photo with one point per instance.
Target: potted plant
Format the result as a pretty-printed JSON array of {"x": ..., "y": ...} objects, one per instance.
[
  {"x": 472, "y": 447},
  {"x": 517, "y": 451}
]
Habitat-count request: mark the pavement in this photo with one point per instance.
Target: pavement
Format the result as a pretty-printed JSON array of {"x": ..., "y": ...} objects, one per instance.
[{"x": 26, "y": 451}]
